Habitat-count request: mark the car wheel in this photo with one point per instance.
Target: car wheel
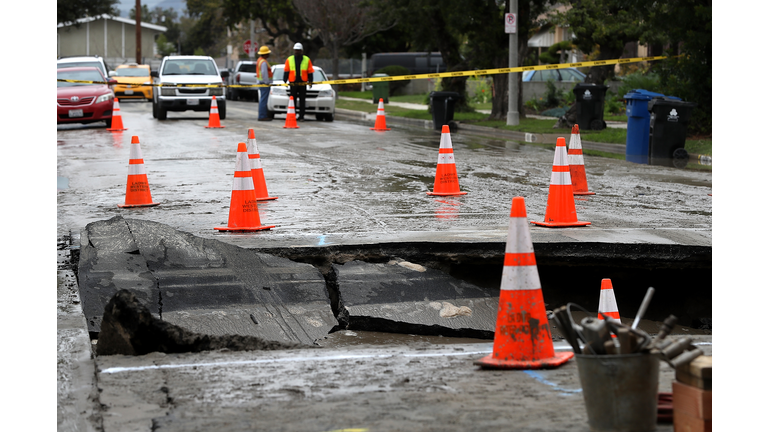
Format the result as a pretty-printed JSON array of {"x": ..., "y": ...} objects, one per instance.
[
  {"x": 222, "y": 106},
  {"x": 109, "y": 123},
  {"x": 154, "y": 109},
  {"x": 162, "y": 113},
  {"x": 270, "y": 114},
  {"x": 329, "y": 117}
]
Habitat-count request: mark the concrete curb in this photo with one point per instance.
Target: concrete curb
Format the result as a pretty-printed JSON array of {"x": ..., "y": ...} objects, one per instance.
[{"x": 511, "y": 135}]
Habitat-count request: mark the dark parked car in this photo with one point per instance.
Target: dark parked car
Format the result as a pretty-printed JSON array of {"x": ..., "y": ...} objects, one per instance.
[{"x": 83, "y": 102}]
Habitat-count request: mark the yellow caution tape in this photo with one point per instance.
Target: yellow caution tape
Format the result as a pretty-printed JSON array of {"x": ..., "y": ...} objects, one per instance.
[{"x": 480, "y": 72}]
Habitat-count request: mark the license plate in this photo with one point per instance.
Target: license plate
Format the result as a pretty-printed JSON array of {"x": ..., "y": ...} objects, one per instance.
[
  {"x": 193, "y": 102},
  {"x": 129, "y": 92},
  {"x": 76, "y": 113}
]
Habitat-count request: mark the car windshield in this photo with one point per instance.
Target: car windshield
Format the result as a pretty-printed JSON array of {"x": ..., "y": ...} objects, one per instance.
[
  {"x": 132, "y": 72},
  {"x": 89, "y": 75},
  {"x": 79, "y": 64},
  {"x": 317, "y": 76},
  {"x": 190, "y": 67}
]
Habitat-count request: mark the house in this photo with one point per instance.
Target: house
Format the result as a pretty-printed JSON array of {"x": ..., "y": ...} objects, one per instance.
[{"x": 113, "y": 38}]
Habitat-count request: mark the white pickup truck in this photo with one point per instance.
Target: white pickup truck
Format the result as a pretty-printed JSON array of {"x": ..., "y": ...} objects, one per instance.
[
  {"x": 178, "y": 72},
  {"x": 244, "y": 74}
]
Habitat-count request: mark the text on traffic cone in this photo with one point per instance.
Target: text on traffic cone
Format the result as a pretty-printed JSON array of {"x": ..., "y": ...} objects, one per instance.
[
  {"x": 137, "y": 192},
  {"x": 243, "y": 208}
]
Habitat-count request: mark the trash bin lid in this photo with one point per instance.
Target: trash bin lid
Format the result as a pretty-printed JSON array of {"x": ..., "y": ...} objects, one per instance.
[
  {"x": 669, "y": 101},
  {"x": 640, "y": 94}
]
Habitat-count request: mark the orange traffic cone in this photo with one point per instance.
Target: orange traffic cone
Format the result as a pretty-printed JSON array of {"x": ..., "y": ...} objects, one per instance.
[
  {"x": 607, "y": 305},
  {"x": 561, "y": 207},
  {"x": 576, "y": 163},
  {"x": 259, "y": 184},
  {"x": 523, "y": 339},
  {"x": 117, "y": 119},
  {"x": 381, "y": 118},
  {"x": 446, "y": 179},
  {"x": 290, "y": 119},
  {"x": 213, "y": 116},
  {"x": 243, "y": 210},
  {"x": 137, "y": 192}
]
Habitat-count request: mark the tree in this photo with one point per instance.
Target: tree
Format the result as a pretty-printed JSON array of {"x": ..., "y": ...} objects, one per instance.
[
  {"x": 206, "y": 28},
  {"x": 278, "y": 17},
  {"x": 685, "y": 26},
  {"x": 69, "y": 11},
  {"x": 341, "y": 23}
]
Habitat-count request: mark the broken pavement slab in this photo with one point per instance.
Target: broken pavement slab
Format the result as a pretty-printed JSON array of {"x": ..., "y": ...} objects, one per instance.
[
  {"x": 403, "y": 297},
  {"x": 203, "y": 285}
]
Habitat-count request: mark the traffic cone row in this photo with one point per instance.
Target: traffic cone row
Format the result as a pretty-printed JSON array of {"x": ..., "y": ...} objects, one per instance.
[
  {"x": 446, "y": 178},
  {"x": 213, "y": 115},
  {"x": 259, "y": 184},
  {"x": 137, "y": 192},
  {"x": 117, "y": 119},
  {"x": 290, "y": 118},
  {"x": 243, "y": 207},
  {"x": 523, "y": 339},
  {"x": 381, "y": 118}
]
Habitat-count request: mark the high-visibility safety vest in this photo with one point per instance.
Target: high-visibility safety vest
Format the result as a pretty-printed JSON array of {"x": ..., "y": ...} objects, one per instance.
[
  {"x": 306, "y": 68},
  {"x": 258, "y": 68}
]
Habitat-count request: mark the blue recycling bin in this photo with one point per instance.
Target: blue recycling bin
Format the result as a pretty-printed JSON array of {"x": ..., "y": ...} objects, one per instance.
[{"x": 639, "y": 124}]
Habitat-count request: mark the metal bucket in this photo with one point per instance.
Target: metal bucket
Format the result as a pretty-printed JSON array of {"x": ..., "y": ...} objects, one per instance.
[{"x": 620, "y": 391}]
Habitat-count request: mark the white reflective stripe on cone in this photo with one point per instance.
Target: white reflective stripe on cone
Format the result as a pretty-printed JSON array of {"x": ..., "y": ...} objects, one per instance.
[
  {"x": 561, "y": 156},
  {"x": 560, "y": 179},
  {"x": 214, "y": 110},
  {"x": 576, "y": 159},
  {"x": 136, "y": 169},
  {"x": 445, "y": 141},
  {"x": 445, "y": 158},
  {"x": 255, "y": 163},
  {"x": 520, "y": 278},
  {"x": 608, "y": 302},
  {"x": 518, "y": 236},
  {"x": 243, "y": 183}
]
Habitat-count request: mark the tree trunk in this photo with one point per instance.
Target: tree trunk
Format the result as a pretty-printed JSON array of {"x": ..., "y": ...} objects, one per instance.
[{"x": 500, "y": 97}]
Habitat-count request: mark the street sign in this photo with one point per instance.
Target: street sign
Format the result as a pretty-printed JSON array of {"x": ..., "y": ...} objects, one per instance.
[
  {"x": 510, "y": 23},
  {"x": 249, "y": 47}
]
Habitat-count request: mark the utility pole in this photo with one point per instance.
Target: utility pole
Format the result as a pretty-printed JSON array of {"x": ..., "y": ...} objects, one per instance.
[
  {"x": 252, "y": 53},
  {"x": 138, "y": 31},
  {"x": 513, "y": 117}
]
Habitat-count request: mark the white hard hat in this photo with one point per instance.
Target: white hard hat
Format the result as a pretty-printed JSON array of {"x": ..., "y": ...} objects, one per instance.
[{"x": 298, "y": 46}]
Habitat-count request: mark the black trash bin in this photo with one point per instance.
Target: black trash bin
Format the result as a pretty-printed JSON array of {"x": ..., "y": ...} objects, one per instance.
[
  {"x": 668, "y": 128},
  {"x": 442, "y": 104},
  {"x": 590, "y": 100}
]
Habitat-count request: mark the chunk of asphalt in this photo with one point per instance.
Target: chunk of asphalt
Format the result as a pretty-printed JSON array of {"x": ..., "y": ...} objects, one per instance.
[
  {"x": 208, "y": 286},
  {"x": 401, "y": 297},
  {"x": 128, "y": 328}
]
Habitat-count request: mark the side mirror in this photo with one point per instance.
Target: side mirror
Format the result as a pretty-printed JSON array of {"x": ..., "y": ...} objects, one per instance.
[
  {"x": 225, "y": 74},
  {"x": 111, "y": 81},
  {"x": 111, "y": 73},
  {"x": 154, "y": 74}
]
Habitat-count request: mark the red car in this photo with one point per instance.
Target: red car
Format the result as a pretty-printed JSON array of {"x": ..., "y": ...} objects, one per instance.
[{"x": 83, "y": 102}]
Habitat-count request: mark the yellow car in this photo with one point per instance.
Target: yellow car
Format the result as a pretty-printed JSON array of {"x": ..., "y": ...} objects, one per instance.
[{"x": 133, "y": 81}]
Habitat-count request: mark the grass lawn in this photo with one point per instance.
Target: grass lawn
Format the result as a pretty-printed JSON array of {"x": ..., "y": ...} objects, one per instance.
[{"x": 368, "y": 96}]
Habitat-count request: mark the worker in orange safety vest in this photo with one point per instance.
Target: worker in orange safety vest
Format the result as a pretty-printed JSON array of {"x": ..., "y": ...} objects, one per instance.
[
  {"x": 298, "y": 73},
  {"x": 264, "y": 76}
]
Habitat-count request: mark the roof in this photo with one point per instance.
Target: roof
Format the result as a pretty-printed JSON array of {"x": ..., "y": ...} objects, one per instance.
[{"x": 114, "y": 18}]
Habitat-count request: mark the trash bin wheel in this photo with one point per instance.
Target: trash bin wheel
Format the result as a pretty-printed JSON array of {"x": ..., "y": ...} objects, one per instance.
[
  {"x": 597, "y": 124},
  {"x": 680, "y": 158}
]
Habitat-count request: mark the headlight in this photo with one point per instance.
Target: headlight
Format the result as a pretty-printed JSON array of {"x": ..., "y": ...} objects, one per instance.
[
  {"x": 325, "y": 93},
  {"x": 167, "y": 91},
  {"x": 278, "y": 91},
  {"x": 105, "y": 97},
  {"x": 217, "y": 91}
]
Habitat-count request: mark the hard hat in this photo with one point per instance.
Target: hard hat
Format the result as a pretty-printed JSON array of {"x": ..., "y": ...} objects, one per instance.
[
  {"x": 298, "y": 46},
  {"x": 264, "y": 50}
]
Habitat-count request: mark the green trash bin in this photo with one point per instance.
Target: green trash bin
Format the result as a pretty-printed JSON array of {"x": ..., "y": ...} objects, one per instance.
[{"x": 380, "y": 89}]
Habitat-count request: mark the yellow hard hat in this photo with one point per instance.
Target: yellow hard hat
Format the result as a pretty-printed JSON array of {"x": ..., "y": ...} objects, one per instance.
[{"x": 264, "y": 50}]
